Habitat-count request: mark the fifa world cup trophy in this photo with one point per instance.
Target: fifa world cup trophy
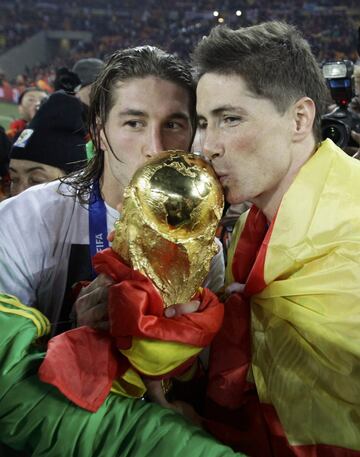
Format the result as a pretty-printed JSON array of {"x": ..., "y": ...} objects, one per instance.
[{"x": 170, "y": 213}]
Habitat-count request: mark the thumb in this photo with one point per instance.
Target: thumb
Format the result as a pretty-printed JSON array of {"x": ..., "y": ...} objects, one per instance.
[
  {"x": 182, "y": 308},
  {"x": 235, "y": 287},
  {"x": 111, "y": 236}
]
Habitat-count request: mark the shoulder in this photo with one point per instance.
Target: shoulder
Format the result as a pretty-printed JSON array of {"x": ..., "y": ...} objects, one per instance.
[
  {"x": 340, "y": 165},
  {"x": 17, "y": 123},
  {"x": 341, "y": 187},
  {"x": 34, "y": 197},
  {"x": 45, "y": 202}
]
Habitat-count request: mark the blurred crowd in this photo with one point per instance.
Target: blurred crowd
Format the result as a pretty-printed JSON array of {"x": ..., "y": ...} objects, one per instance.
[{"x": 330, "y": 26}]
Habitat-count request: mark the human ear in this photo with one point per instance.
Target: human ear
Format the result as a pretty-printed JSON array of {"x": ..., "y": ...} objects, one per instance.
[
  {"x": 104, "y": 144},
  {"x": 304, "y": 114}
]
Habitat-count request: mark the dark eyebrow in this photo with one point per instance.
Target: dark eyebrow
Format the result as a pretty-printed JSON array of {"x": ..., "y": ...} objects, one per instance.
[
  {"x": 221, "y": 109},
  {"x": 28, "y": 169},
  {"x": 180, "y": 115},
  {"x": 218, "y": 111},
  {"x": 134, "y": 112}
]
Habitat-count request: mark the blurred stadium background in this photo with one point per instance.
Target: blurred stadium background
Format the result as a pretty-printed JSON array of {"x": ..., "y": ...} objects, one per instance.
[{"x": 39, "y": 36}]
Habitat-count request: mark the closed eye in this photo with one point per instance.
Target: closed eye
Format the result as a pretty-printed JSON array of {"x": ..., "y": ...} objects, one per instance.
[{"x": 37, "y": 180}]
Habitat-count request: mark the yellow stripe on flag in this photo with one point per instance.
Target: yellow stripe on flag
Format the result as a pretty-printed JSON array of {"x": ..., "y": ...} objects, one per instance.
[{"x": 155, "y": 357}]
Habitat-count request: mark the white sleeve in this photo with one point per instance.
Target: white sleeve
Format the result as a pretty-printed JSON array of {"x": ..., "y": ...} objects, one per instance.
[
  {"x": 21, "y": 248},
  {"x": 215, "y": 279}
]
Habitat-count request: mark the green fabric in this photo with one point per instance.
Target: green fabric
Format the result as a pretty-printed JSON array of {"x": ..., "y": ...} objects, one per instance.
[
  {"x": 35, "y": 416},
  {"x": 90, "y": 150}
]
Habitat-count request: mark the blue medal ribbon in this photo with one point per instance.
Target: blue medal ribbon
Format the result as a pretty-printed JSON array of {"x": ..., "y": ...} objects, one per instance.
[{"x": 98, "y": 230}]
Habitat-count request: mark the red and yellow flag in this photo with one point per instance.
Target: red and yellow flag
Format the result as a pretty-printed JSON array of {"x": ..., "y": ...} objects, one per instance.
[
  {"x": 293, "y": 339},
  {"x": 84, "y": 364}
]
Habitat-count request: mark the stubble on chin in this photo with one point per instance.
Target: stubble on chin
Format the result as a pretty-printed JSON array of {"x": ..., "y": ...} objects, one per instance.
[{"x": 226, "y": 191}]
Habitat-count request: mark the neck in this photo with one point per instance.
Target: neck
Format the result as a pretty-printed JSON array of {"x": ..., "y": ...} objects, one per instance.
[
  {"x": 270, "y": 200},
  {"x": 111, "y": 189}
]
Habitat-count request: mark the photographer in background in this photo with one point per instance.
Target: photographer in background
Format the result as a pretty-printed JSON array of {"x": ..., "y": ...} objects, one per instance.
[
  {"x": 343, "y": 117},
  {"x": 342, "y": 122}
]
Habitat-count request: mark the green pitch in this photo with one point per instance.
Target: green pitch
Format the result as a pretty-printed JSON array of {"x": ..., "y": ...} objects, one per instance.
[{"x": 8, "y": 112}]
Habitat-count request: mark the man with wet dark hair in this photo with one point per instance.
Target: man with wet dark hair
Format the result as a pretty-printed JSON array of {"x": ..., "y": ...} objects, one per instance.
[{"x": 142, "y": 102}]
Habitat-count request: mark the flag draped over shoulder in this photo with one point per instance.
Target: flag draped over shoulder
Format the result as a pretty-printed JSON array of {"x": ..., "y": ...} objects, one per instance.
[{"x": 294, "y": 334}]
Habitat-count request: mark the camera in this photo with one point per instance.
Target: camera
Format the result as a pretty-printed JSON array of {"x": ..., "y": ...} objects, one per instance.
[{"x": 338, "y": 124}]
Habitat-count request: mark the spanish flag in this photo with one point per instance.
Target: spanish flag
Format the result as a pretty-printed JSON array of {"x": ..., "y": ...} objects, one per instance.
[
  {"x": 285, "y": 368},
  {"x": 85, "y": 364}
]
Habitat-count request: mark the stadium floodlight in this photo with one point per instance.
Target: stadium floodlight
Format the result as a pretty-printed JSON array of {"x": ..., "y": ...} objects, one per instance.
[
  {"x": 216, "y": 13},
  {"x": 238, "y": 13}
]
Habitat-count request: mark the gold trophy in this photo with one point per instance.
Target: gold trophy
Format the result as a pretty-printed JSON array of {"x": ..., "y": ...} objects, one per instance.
[
  {"x": 171, "y": 210},
  {"x": 166, "y": 231}
]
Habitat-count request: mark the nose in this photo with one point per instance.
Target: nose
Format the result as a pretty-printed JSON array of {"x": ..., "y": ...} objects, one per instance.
[
  {"x": 212, "y": 148},
  {"x": 154, "y": 143}
]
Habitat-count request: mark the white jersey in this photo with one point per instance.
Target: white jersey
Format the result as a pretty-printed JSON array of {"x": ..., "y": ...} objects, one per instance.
[{"x": 44, "y": 248}]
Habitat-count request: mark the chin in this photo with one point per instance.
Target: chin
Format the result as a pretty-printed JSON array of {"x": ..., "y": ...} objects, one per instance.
[{"x": 233, "y": 198}]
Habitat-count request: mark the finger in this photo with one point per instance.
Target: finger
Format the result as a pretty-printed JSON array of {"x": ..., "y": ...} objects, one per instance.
[
  {"x": 102, "y": 280},
  {"x": 98, "y": 313},
  {"x": 87, "y": 301},
  {"x": 94, "y": 296},
  {"x": 93, "y": 316},
  {"x": 111, "y": 236},
  {"x": 104, "y": 325},
  {"x": 99, "y": 295},
  {"x": 182, "y": 308},
  {"x": 235, "y": 287},
  {"x": 156, "y": 392}
]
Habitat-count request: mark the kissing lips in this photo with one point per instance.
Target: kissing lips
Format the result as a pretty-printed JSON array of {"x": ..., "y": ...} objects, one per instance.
[{"x": 222, "y": 178}]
